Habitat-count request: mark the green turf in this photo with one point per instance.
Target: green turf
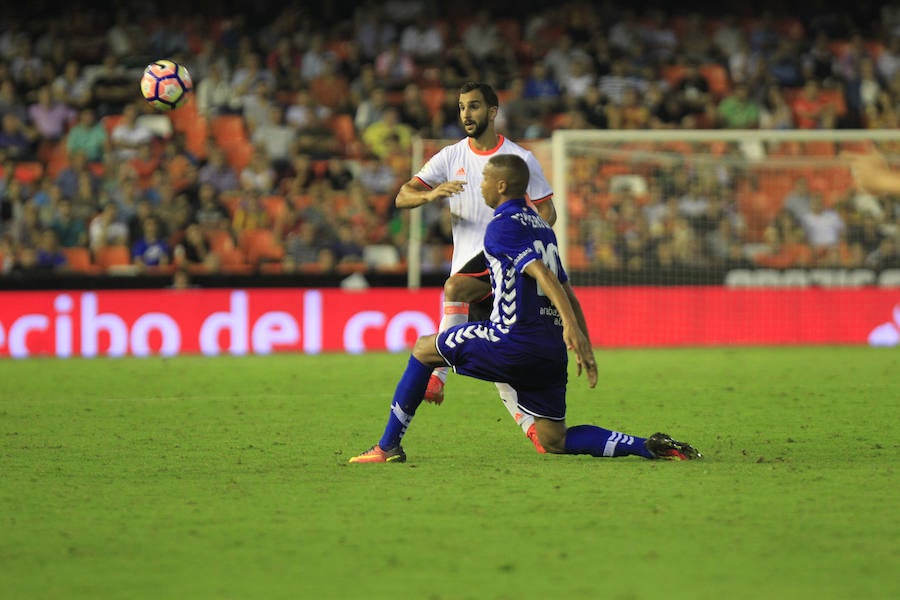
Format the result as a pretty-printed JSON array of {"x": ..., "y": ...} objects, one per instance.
[{"x": 227, "y": 478}]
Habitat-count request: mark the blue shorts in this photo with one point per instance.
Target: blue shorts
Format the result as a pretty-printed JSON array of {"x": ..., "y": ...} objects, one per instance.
[{"x": 539, "y": 380}]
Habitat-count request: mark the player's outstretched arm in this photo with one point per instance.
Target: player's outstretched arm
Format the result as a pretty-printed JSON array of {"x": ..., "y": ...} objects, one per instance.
[
  {"x": 414, "y": 193},
  {"x": 872, "y": 174},
  {"x": 574, "y": 331},
  {"x": 547, "y": 210}
]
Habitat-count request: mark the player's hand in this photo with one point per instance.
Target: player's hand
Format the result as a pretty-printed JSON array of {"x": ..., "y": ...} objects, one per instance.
[
  {"x": 446, "y": 189},
  {"x": 864, "y": 166},
  {"x": 584, "y": 354}
]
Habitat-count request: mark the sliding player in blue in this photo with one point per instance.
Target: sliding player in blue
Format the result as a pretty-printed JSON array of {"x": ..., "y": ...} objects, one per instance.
[{"x": 535, "y": 320}]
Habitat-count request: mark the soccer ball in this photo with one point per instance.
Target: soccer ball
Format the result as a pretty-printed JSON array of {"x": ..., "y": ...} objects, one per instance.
[{"x": 166, "y": 84}]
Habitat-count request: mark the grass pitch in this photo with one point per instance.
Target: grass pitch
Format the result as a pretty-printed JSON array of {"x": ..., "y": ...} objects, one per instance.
[{"x": 227, "y": 477}]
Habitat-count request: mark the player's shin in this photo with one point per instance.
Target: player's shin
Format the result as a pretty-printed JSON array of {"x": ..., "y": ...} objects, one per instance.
[
  {"x": 596, "y": 441},
  {"x": 511, "y": 402},
  {"x": 407, "y": 397},
  {"x": 455, "y": 313}
]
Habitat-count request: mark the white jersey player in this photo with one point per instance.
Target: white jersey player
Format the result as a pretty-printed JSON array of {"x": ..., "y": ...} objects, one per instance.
[{"x": 454, "y": 175}]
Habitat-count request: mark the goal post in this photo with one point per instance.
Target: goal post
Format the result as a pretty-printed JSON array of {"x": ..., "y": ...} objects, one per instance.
[{"x": 677, "y": 237}]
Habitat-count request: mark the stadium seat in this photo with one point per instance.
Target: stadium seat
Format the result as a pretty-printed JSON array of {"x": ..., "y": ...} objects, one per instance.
[
  {"x": 433, "y": 97},
  {"x": 238, "y": 153},
  {"x": 350, "y": 267},
  {"x": 259, "y": 245},
  {"x": 717, "y": 77},
  {"x": 220, "y": 240},
  {"x": 345, "y": 132},
  {"x": 233, "y": 260},
  {"x": 78, "y": 259},
  {"x": 230, "y": 201},
  {"x": 577, "y": 258},
  {"x": 110, "y": 122},
  {"x": 110, "y": 257},
  {"x": 276, "y": 207},
  {"x": 227, "y": 129},
  {"x": 28, "y": 172}
]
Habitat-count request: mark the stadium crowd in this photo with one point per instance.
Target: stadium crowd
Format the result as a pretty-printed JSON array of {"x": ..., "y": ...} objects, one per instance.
[{"x": 299, "y": 131}]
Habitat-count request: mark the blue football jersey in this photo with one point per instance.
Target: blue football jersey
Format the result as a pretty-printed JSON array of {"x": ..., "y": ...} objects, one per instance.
[{"x": 522, "y": 313}]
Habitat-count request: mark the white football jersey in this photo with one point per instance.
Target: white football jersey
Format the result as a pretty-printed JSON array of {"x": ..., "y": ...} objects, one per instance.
[{"x": 470, "y": 214}]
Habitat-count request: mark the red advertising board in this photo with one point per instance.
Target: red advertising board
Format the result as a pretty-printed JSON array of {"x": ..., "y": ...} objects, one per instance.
[{"x": 261, "y": 321}]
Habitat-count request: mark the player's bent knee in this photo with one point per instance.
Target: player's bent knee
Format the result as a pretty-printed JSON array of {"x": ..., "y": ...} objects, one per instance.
[
  {"x": 551, "y": 435},
  {"x": 462, "y": 288},
  {"x": 425, "y": 351}
]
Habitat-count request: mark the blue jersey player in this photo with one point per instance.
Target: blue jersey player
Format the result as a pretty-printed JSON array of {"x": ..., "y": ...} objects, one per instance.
[{"x": 536, "y": 319}]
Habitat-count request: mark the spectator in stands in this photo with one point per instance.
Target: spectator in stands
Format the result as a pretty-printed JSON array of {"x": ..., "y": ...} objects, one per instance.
[
  {"x": 214, "y": 93},
  {"x": 258, "y": 176},
  {"x": 71, "y": 231},
  {"x": 629, "y": 113},
  {"x": 613, "y": 84},
  {"x": 150, "y": 250},
  {"x": 316, "y": 58},
  {"x": 864, "y": 233},
  {"x": 413, "y": 111},
  {"x": 798, "y": 201},
  {"x": 217, "y": 173},
  {"x": 210, "y": 215},
  {"x": 307, "y": 115},
  {"x": 378, "y": 135},
  {"x": 863, "y": 93},
  {"x": 284, "y": 61},
  {"x": 49, "y": 253},
  {"x": 192, "y": 250},
  {"x": 823, "y": 226},
  {"x": 394, "y": 67},
  {"x": 887, "y": 63},
  {"x": 17, "y": 140},
  {"x": 694, "y": 88},
  {"x": 106, "y": 228},
  {"x": 542, "y": 90},
  {"x": 738, "y": 110},
  {"x": 577, "y": 79},
  {"x": 813, "y": 109},
  {"x": 784, "y": 65},
  {"x": 71, "y": 86},
  {"x": 88, "y": 136},
  {"x": 245, "y": 78},
  {"x": 671, "y": 113},
  {"x": 302, "y": 246},
  {"x": 481, "y": 36},
  {"x": 774, "y": 110},
  {"x": 817, "y": 61},
  {"x": 348, "y": 247},
  {"x": 112, "y": 87},
  {"x": 371, "y": 109},
  {"x": 275, "y": 138},
  {"x": 422, "y": 40},
  {"x": 886, "y": 256},
  {"x": 257, "y": 104},
  {"x": 128, "y": 136},
  {"x": 338, "y": 175},
  {"x": 50, "y": 117},
  {"x": 659, "y": 38},
  {"x": 250, "y": 213}
]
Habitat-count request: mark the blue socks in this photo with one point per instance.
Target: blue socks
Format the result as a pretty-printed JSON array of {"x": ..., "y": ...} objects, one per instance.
[
  {"x": 407, "y": 398},
  {"x": 580, "y": 439},
  {"x": 596, "y": 441}
]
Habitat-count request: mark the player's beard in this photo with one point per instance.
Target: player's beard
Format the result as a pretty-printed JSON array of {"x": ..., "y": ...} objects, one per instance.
[{"x": 480, "y": 128}]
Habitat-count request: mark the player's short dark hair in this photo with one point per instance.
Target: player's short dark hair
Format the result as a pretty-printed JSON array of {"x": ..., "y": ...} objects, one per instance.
[
  {"x": 515, "y": 173},
  {"x": 490, "y": 96}
]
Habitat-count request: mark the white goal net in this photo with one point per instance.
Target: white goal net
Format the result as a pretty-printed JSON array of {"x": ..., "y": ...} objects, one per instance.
[{"x": 665, "y": 232}]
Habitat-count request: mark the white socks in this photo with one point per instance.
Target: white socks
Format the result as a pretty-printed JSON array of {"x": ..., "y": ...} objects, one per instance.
[{"x": 455, "y": 313}]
